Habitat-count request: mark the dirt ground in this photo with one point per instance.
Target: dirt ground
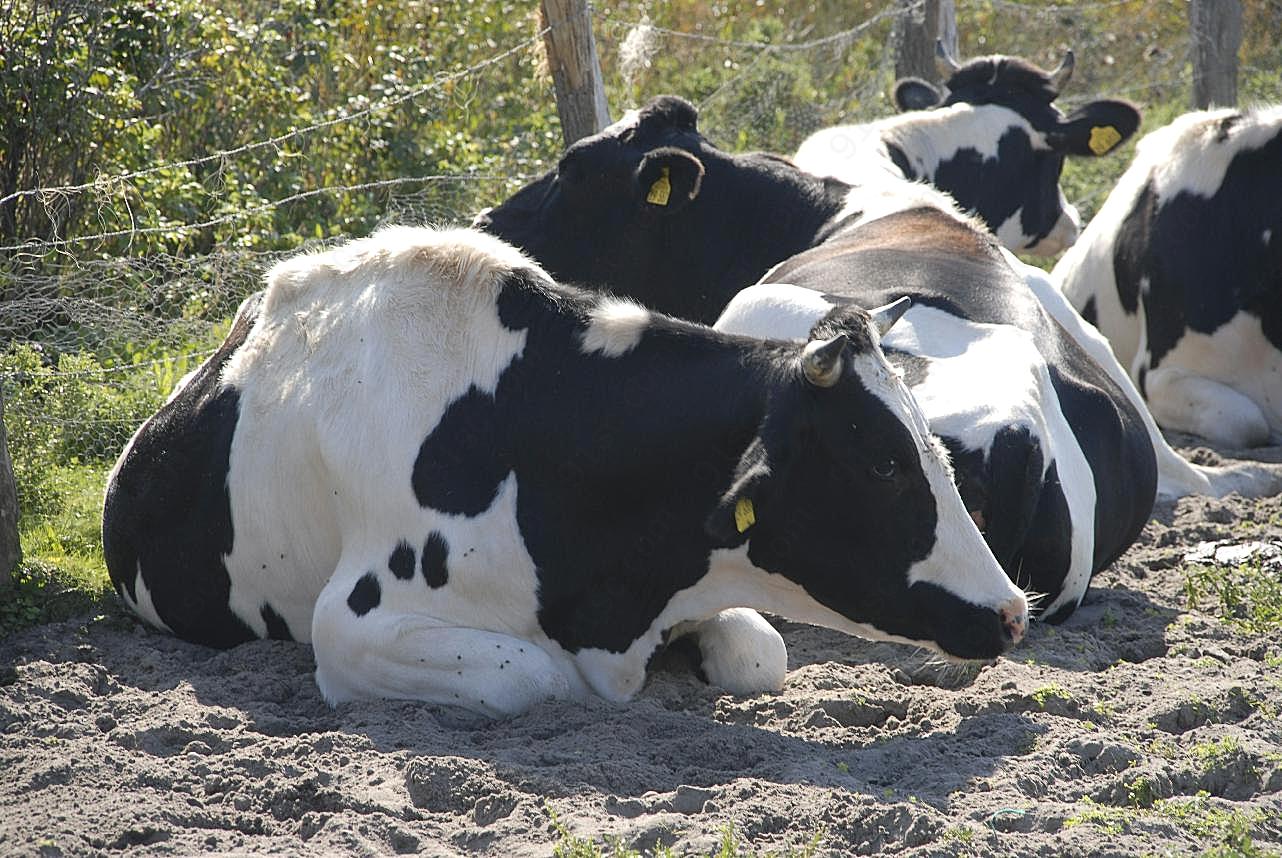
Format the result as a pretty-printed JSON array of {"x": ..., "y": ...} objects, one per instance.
[{"x": 1140, "y": 726}]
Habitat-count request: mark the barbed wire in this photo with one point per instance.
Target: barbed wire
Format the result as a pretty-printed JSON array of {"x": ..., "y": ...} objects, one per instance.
[
  {"x": 263, "y": 208},
  {"x": 823, "y": 41}
]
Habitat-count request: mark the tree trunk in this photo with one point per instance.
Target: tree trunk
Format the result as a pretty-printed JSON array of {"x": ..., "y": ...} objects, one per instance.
[
  {"x": 576, "y": 71},
  {"x": 10, "y": 550},
  {"x": 1215, "y": 29},
  {"x": 922, "y": 22}
]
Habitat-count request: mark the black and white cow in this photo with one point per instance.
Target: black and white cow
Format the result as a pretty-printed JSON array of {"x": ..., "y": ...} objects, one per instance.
[
  {"x": 1053, "y": 449},
  {"x": 466, "y": 484},
  {"x": 1182, "y": 271},
  {"x": 992, "y": 138}
]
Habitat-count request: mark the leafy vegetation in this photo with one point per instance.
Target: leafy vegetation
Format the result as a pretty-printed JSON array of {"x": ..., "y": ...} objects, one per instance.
[
  {"x": 1248, "y": 595},
  {"x": 1218, "y": 830},
  {"x": 207, "y": 136}
]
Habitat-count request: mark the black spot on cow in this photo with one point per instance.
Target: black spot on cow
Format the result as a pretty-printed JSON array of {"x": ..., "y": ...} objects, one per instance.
[
  {"x": 401, "y": 563},
  {"x": 168, "y": 510},
  {"x": 461, "y": 464},
  {"x": 914, "y": 367},
  {"x": 436, "y": 552},
  {"x": 277, "y": 628},
  {"x": 1090, "y": 312},
  {"x": 366, "y": 595},
  {"x": 900, "y": 160},
  {"x": 1132, "y": 247},
  {"x": 1204, "y": 258}
]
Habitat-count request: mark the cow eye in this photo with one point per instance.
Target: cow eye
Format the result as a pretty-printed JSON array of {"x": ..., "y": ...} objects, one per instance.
[{"x": 885, "y": 470}]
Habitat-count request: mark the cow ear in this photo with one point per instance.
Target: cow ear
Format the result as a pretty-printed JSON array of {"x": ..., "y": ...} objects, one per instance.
[
  {"x": 668, "y": 179},
  {"x": 735, "y": 514},
  {"x": 1095, "y": 129},
  {"x": 732, "y": 519},
  {"x": 913, "y": 93}
]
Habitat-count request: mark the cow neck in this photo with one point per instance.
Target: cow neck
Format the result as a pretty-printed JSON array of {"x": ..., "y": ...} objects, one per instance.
[{"x": 776, "y": 212}]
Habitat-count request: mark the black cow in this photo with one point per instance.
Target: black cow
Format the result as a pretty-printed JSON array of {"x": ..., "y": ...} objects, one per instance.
[
  {"x": 466, "y": 484},
  {"x": 992, "y": 138},
  {"x": 1182, "y": 271}
]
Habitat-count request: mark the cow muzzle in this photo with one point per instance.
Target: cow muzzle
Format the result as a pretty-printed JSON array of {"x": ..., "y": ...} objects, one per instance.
[{"x": 1014, "y": 619}]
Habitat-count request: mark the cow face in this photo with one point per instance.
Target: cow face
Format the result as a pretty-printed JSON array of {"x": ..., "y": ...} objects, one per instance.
[
  {"x": 1009, "y": 172},
  {"x": 648, "y": 206},
  {"x": 845, "y": 491}
]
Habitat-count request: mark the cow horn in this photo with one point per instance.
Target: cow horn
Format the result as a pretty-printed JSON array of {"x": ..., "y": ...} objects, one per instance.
[
  {"x": 944, "y": 62},
  {"x": 821, "y": 361},
  {"x": 884, "y": 318},
  {"x": 1064, "y": 71}
]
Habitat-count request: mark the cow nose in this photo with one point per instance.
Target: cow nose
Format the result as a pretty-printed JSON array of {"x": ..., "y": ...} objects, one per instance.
[{"x": 1014, "y": 616}]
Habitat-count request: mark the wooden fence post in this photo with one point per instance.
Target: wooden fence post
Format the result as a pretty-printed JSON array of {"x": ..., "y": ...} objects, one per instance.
[
  {"x": 10, "y": 549},
  {"x": 1215, "y": 29},
  {"x": 580, "y": 92},
  {"x": 917, "y": 28}
]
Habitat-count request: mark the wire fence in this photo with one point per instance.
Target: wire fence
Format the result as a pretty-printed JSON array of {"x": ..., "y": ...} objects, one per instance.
[{"x": 119, "y": 277}]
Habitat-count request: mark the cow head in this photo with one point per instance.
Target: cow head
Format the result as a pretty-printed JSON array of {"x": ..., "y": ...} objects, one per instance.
[
  {"x": 844, "y": 491},
  {"x": 648, "y": 207},
  {"x": 1006, "y": 166}
]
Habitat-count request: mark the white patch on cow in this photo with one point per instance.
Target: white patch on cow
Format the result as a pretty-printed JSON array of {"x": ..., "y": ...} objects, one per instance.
[
  {"x": 475, "y": 642},
  {"x": 960, "y": 561},
  {"x": 142, "y": 605},
  {"x": 874, "y": 200},
  {"x": 985, "y": 377},
  {"x": 1266, "y": 236},
  {"x": 1186, "y": 156},
  {"x": 624, "y": 123},
  {"x": 742, "y": 653},
  {"x": 1234, "y": 397},
  {"x": 773, "y": 311},
  {"x": 355, "y": 356},
  {"x": 615, "y": 327},
  {"x": 853, "y": 153}
]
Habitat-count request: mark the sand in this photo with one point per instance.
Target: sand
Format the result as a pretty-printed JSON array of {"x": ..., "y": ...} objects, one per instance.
[{"x": 1142, "y": 725}]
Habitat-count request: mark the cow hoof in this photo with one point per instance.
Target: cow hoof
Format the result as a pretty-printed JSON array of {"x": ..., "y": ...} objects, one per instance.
[{"x": 742, "y": 653}]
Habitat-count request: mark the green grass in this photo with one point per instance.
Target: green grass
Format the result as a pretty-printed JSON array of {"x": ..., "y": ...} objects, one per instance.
[
  {"x": 1247, "y": 595},
  {"x": 62, "y": 572},
  {"x": 1220, "y": 832}
]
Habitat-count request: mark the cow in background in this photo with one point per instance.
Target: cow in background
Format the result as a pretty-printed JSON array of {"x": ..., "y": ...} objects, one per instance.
[
  {"x": 1182, "y": 271},
  {"x": 1054, "y": 457},
  {"x": 992, "y": 138}
]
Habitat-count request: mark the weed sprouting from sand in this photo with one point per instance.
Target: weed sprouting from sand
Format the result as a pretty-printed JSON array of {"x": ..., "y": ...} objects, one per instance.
[
  {"x": 1046, "y": 693},
  {"x": 1248, "y": 595},
  {"x": 1220, "y": 831}
]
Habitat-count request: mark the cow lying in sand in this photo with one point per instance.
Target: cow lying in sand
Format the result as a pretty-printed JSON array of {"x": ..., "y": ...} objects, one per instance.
[
  {"x": 466, "y": 484},
  {"x": 1054, "y": 451},
  {"x": 1182, "y": 271}
]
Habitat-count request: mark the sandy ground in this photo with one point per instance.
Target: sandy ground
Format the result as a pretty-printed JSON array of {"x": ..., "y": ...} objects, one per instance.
[{"x": 1140, "y": 726}]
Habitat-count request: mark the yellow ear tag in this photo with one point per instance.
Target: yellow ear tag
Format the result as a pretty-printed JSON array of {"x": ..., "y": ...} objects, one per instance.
[
  {"x": 744, "y": 515},
  {"x": 1103, "y": 138},
  {"x": 660, "y": 191}
]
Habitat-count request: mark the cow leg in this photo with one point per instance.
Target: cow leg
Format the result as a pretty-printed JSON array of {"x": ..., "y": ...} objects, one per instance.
[
  {"x": 387, "y": 653},
  {"x": 1187, "y": 402},
  {"x": 741, "y": 652}
]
